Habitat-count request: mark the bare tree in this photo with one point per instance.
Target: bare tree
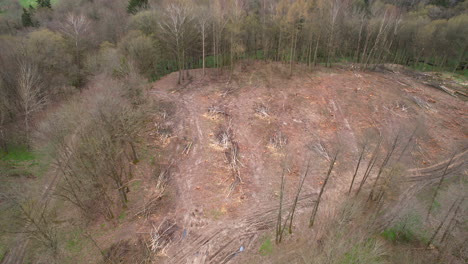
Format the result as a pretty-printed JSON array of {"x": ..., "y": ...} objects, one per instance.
[
  {"x": 317, "y": 203},
  {"x": 177, "y": 31},
  {"x": 30, "y": 92},
  {"x": 454, "y": 204},
  {"x": 34, "y": 219},
  {"x": 361, "y": 155},
  {"x": 334, "y": 9},
  {"x": 4, "y": 109},
  {"x": 434, "y": 196},
  {"x": 296, "y": 199},
  {"x": 96, "y": 151},
  {"x": 203, "y": 20},
  {"x": 279, "y": 225},
  {"x": 75, "y": 27}
]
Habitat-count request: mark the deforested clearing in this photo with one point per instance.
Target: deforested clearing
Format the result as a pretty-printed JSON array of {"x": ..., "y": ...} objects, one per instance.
[{"x": 233, "y": 131}]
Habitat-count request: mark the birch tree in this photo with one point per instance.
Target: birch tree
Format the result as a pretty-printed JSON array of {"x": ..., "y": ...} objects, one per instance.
[
  {"x": 177, "y": 31},
  {"x": 203, "y": 21},
  {"x": 30, "y": 92}
]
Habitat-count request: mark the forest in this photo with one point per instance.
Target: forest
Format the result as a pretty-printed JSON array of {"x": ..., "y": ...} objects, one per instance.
[{"x": 115, "y": 113}]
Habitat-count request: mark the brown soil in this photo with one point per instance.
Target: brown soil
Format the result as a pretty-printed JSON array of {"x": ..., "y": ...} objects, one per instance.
[{"x": 317, "y": 113}]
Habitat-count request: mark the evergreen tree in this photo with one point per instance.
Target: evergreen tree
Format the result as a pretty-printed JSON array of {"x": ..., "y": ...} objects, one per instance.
[
  {"x": 134, "y": 5},
  {"x": 26, "y": 18},
  {"x": 44, "y": 3}
]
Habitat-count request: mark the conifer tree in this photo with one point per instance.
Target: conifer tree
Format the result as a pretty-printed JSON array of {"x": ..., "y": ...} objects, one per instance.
[{"x": 26, "y": 17}]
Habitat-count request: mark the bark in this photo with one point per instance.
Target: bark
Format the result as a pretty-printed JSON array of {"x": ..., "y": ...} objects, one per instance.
[{"x": 316, "y": 49}]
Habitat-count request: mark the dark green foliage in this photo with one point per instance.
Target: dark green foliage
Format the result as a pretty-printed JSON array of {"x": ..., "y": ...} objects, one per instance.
[
  {"x": 135, "y": 5},
  {"x": 399, "y": 233},
  {"x": 44, "y": 3},
  {"x": 444, "y": 3},
  {"x": 408, "y": 230},
  {"x": 26, "y": 17}
]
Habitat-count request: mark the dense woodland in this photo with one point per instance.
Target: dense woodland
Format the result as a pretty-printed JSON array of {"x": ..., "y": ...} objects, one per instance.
[
  {"x": 65, "y": 43},
  {"x": 51, "y": 51}
]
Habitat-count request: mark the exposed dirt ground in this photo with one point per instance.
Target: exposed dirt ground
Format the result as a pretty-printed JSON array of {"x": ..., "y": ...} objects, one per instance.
[{"x": 271, "y": 120}]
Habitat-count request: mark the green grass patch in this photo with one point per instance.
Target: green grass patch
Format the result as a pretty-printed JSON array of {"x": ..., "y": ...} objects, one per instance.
[
  {"x": 122, "y": 216},
  {"x": 365, "y": 252},
  {"x": 17, "y": 154},
  {"x": 33, "y": 3},
  {"x": 267, "y": 247},
  {"x": 19, "y": 160},
  {"x": 2, "y": 250},
  {"x": 74, "y": 243},
  {"x": 409, "y": 230},
  {"x": 398, "y": 233}
]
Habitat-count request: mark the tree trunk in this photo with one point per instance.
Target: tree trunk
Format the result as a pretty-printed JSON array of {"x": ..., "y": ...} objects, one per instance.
[
  {"x": 309, "y": 55},
  {"x": 330, "y": 43},
  {"x": 460, "y": 58},
  {"x": 316, "y": 49},
  {"x": 292, "y": 53},
  {"x": 363, "y": 57},
  {"x": 356, "y": 56},
  {"x": 278, "y": 54},
  {"x": 203, "y": 44}
]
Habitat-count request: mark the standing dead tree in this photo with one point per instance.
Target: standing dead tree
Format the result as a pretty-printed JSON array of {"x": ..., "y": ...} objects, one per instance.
[
  {"x": 361, "y": 155},
  {"x": 296, "y": 199},
  {"x": 384, "y": 165},
  {"x": 370, "y": 166},
  {"x": 279, "y": 225},
  {"x": 457, "y": 201},
  {"x": 317, "y": 203},
  {"x": 452, "y": 221},
  {"x": 392, "y": 172},
  {"x": 431, "y": 204}
]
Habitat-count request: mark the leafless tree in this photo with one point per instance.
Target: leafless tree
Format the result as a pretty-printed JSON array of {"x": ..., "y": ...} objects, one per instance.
[
  {"x": 317, "y": 203},
  {"x": 361, "y": 155},
  {"x": 75, "y": 28},
  {"x": 296, "y": 199},
  {"x": 203, "y": 21},
  {"x": 30, "y": 92},
  {"x": 177, "y": 31},
  {"x": 4, "y": 109},
  {"x": 439, "y": 184}
]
